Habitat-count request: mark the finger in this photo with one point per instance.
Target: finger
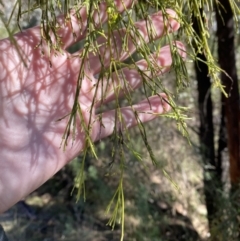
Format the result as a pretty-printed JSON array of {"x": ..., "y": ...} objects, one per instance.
[
  {"x": 127, "y": 80},
  {"x": 142, "y": 112},
  {"x": 153, "y": 28},
  {"x": 74, "y": 29}
]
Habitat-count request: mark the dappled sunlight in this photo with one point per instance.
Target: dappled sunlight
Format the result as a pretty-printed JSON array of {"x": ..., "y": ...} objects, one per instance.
[
  {"x": 55, "y": 105},
  {"x": 48, "y": 106}
]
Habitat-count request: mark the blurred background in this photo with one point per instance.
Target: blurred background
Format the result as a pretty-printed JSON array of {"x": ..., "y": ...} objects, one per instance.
[{"x": 189, "y": 196}]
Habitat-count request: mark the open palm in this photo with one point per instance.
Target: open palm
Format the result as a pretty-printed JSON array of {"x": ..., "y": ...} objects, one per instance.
[{"x": 35, "y": 97}]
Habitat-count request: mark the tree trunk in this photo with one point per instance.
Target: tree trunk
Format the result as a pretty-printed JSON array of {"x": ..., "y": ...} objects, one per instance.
[
  {"x": 222, "y": 140},
  {"x": 226, "y": 53},
  {"x": 227, "y": 61},
  {"x": 206, "y": 134}
]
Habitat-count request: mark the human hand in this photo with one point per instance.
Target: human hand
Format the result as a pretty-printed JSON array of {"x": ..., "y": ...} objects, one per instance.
[{"x": 33, "y": 98}]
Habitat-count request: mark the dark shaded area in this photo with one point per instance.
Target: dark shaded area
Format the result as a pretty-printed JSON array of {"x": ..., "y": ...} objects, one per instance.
[
  {"x": 3, "y": 236},
  {"x": 222, "y": 140},
  {"x": 227, "y": 61},
  {"x": 230, "y": 111},
  {"x": 212, "y": 170}
]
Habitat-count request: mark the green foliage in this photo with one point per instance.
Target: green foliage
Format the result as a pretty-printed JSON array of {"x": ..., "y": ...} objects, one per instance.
[
  {"x": 197, "y": 43},
  {"x": 225, "y": 225}
]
